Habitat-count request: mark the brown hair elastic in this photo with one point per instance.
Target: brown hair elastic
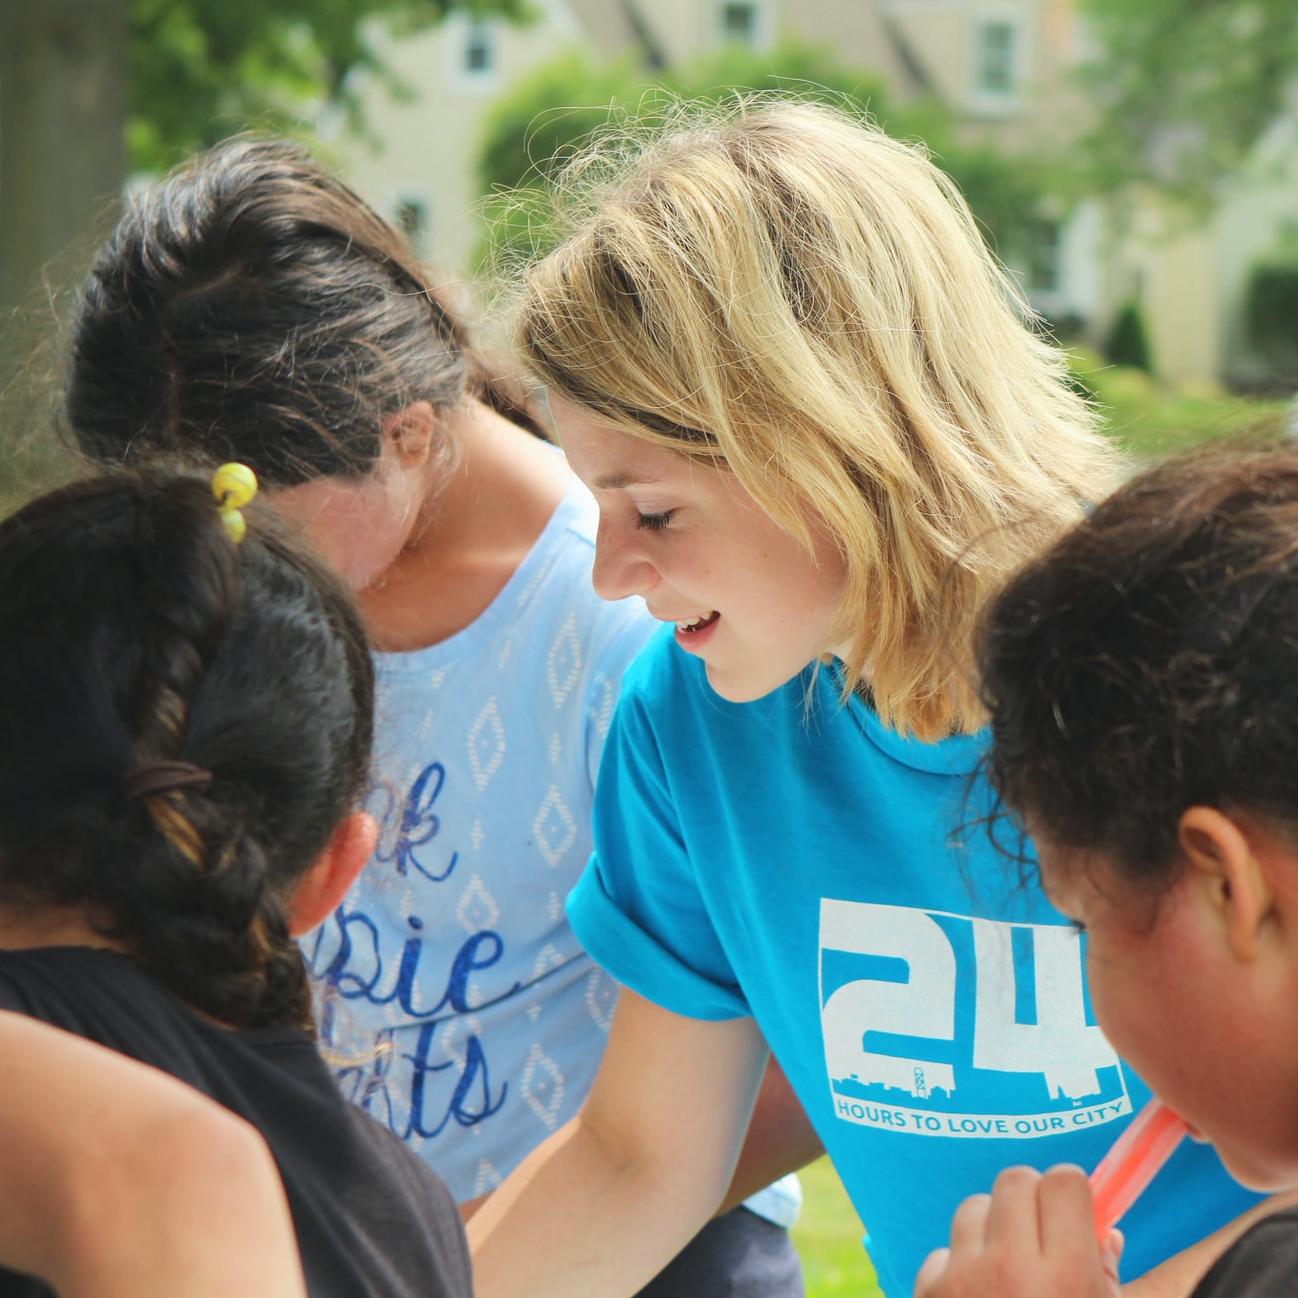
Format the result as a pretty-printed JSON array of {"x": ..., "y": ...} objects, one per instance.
[{"x": 162, "y": 777}]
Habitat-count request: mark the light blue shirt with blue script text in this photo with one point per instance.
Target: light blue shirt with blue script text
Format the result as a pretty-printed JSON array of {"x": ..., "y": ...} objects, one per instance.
[
  {"x": 458, "y": 1007},
  {"x": 461, "y": 1010},
  {"x": 794, "y": 860}
]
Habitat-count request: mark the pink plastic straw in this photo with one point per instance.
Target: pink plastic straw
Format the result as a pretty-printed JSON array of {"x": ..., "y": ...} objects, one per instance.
[{"x": 1134, "y": 1161}]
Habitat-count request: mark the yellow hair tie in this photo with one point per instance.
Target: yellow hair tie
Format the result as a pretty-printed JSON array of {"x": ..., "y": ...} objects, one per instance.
[{"x": 234, "y": 486}]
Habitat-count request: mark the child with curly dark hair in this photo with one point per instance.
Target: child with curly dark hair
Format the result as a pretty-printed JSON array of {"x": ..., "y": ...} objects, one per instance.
[{"x": 1141, "y": 683}]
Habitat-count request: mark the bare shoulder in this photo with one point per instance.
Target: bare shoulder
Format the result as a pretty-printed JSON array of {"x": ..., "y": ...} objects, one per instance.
[{"x": 103, "y": 1152}]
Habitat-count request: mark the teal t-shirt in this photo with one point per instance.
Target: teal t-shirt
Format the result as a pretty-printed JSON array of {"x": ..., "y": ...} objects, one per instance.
[{"x": 794, "y": 860}]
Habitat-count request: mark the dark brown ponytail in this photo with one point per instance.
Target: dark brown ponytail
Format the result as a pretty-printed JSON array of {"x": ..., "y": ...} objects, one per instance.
[
  {"x": 252, "y": 307},
  {"x": 136, "y": 636}
]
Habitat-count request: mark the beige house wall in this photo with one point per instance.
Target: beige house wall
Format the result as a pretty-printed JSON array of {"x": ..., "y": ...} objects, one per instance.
[
  {"x": 1182, "y": 305},
  {"x": 1191, "y": 275},
  {"x": 422, "y": 145}
]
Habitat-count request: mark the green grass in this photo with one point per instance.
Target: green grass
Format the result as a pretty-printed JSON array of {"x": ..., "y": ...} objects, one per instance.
[
  {"x": 828, "y": 1238},
  {"x": 1151, "y": 420}
]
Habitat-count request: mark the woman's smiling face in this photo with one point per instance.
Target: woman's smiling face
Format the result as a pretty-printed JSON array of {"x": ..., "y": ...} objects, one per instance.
[{"x": 745, "y": 595}]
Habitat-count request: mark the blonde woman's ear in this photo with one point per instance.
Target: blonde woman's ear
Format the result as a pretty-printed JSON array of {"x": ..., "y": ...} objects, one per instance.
[{"x": 322, "y": 888}]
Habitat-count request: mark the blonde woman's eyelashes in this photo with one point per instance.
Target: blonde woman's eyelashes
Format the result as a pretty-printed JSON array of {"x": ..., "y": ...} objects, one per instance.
[{"x": 654, "y": 522}]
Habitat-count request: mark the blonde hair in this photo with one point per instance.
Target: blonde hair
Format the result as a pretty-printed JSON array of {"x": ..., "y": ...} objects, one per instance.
[{"x": 783, "y": 289}]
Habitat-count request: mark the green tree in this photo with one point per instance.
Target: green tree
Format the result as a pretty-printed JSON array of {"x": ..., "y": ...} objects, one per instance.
[
  {"x": 1185, "y": 88},
  {"x": 531, "y": 131},
  {"x": 199, "y": 69},
  {"x": 91, "y": 88}
]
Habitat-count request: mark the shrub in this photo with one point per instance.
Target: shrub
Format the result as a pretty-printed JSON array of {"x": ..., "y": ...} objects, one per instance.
[
  {"x": 1128, "y": 342},
  {"x": 1271, "y": 314}
]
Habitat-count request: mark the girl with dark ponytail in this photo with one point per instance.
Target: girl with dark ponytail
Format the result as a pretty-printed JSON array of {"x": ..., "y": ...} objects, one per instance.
[{"x": 186, "y": 727}]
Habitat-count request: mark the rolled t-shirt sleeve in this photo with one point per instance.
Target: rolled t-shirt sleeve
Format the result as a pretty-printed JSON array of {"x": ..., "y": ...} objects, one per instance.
[{"x": 638, "y": 908}]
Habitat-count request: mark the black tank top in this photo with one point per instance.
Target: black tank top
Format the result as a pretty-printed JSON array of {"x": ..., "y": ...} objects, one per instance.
[{"x": 372, "y": 1220}]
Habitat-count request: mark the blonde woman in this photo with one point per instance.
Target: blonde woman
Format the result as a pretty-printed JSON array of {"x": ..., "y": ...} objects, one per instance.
[{"x": 807, "y": 404}]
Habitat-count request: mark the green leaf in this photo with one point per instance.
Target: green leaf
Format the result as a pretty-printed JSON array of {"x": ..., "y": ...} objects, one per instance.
[{"x": 203, "y": 69}]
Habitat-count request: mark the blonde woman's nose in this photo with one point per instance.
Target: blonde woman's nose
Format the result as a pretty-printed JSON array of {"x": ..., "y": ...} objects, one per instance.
[{"x": 621, "y": 569}]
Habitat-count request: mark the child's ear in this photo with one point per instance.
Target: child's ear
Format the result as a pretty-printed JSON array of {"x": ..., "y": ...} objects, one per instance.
[
  {"x": 1228, "y": 876},
  {"x": 411, "y": 432},
  {"x": 321, "y": 889}
]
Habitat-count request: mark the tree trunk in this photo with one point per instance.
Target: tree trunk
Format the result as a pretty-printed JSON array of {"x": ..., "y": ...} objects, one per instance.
[{"x": 63, "y": 104}]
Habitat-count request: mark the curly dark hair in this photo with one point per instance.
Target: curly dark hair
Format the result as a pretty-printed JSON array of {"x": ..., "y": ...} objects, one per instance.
[
  {"x": 1148, "y": 662},
  {"x": 251, "y": 306},
  {"x": 136, "y": 631}
]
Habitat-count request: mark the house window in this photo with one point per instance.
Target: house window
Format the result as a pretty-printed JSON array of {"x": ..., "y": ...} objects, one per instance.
[
  {"x": 997, "y": 51},
  {"x": 739, "y": 23},
  {"x": 479, "y": 50}
]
